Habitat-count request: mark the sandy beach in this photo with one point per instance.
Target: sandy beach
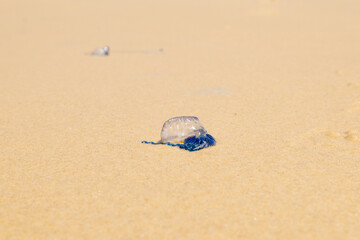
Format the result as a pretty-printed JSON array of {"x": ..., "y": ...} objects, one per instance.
[{"x": 276, "y": 82}]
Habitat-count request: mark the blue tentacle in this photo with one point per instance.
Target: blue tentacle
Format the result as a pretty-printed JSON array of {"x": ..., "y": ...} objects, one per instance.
[{"x": 161, "y": 143}]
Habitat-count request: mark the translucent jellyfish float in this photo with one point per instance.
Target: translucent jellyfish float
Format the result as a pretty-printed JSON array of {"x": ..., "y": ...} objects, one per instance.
[
  {"x": 101, "y": 51},
  {"x": 186, "y": 133}
]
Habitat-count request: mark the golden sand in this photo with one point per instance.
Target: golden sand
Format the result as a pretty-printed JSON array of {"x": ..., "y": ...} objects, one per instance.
[{"x": 275, "y": 82}]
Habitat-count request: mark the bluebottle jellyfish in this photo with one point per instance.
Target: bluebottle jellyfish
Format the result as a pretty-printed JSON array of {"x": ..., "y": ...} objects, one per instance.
[{"x": 185, "y": 132}]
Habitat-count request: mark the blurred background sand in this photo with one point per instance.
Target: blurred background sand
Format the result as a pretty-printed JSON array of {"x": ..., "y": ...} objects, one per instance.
[{"x": 277, "y": 83}]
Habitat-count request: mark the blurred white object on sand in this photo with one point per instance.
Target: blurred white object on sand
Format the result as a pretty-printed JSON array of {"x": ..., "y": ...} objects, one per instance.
[{"x": 101, "y": 51}]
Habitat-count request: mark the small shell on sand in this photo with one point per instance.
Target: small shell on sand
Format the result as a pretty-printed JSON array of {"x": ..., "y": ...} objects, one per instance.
[{"x": 352, "y": 136}]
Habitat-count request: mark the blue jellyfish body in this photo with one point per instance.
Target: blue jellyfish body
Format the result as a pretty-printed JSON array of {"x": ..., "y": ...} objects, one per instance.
[{"x": 186, "y": 133}]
